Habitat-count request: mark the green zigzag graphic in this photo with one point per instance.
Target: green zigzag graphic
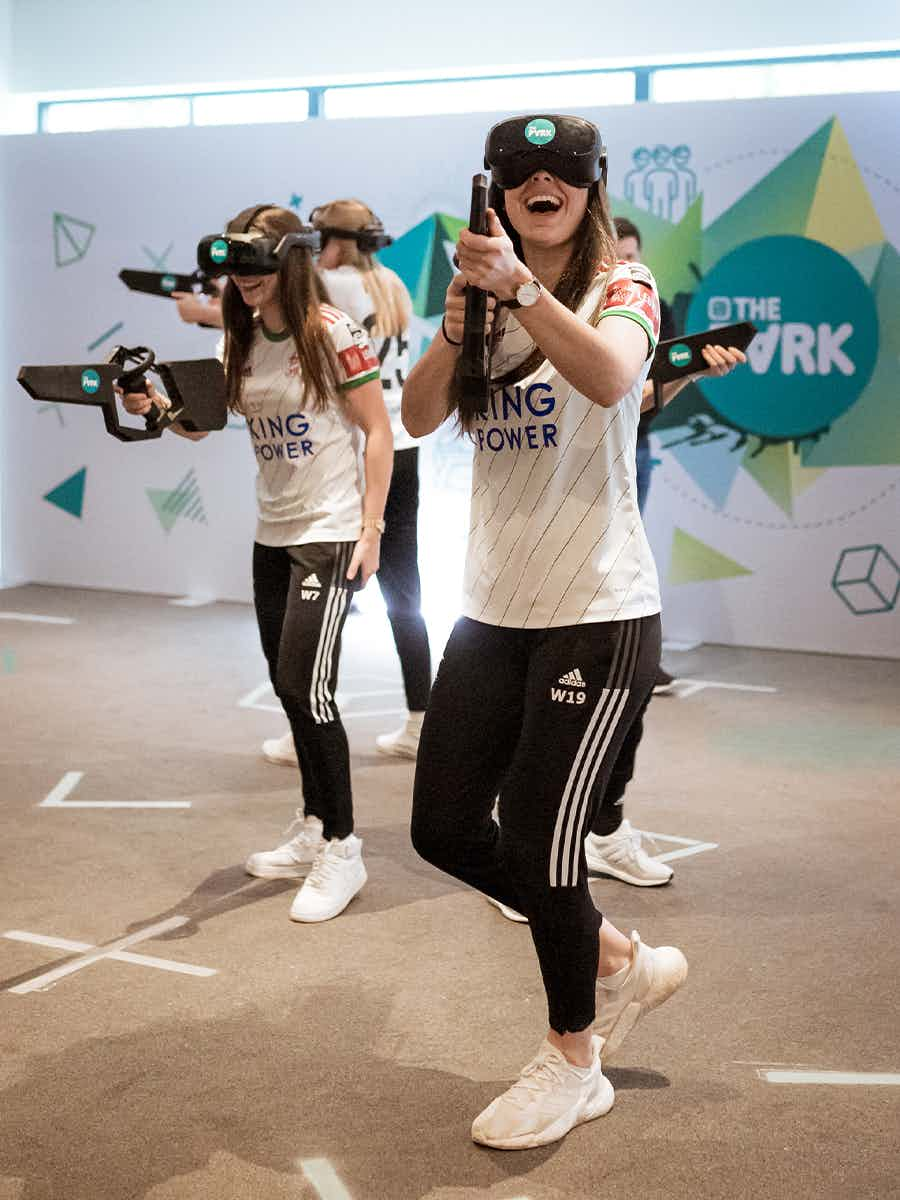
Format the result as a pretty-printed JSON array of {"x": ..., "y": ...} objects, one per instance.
[{"x": 182, "y": 501}]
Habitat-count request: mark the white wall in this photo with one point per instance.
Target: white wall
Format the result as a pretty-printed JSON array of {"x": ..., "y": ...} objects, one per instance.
[
  {"x": 61, "y": 44},
  {"x": 409, "y": 169}
]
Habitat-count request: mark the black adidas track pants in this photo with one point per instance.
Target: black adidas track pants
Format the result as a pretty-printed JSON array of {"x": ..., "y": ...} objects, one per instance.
[
  {"x": 302, "y": 597},
  {"x": 539, "y": 718}
]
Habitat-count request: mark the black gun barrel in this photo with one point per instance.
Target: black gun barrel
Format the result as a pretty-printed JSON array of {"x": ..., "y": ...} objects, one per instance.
[{"x": 474, "y": 362}]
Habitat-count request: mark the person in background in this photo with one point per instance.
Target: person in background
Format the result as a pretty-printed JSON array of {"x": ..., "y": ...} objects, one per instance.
[
  {"x": 304, "y": 376},
  {"x": 613, "y": 846}
]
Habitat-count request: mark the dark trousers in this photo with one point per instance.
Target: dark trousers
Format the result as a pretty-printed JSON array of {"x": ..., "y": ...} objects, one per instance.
[
  {"x": 538, "y": 717},
  {"x": 398, "y": 578},
  {"x": 302, "y": 597}
]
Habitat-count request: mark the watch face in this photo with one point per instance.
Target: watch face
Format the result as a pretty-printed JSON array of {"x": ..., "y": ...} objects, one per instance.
[{"x": 528, "y": 293}]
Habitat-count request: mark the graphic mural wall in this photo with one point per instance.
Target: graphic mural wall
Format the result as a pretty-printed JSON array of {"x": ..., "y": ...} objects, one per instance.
[{"x": 774, "y": 510}]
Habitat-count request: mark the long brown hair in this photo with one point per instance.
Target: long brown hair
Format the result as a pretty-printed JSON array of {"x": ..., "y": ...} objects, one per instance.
[
  {"x": 390, "y": 299},
  {"x": 593, "y": 246},
  {"x": 300, "y": 293}
]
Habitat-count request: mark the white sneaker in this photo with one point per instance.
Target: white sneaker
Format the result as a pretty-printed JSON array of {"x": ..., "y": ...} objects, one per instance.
[
  {"x": 281, "y": 750},
  {"x": 403, "y": 742},
  {"x": 548, "y": 1099},
  {"x": 292, "y": 859},
  {"x": 654, "y": 976},
  {"x": 510, "y": 913},
  {"x": 621, "y": 855},
  {"x": 336, "y": 876}
]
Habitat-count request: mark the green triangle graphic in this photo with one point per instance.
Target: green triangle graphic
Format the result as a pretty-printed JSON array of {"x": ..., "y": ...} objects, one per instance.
[
  {"x": 683, "y": 246},
  {"x": 71, "y": 239},
  {"x": 655, "y": 231},
  {"x": 161, "y": 499},
  {"x": 692, "y": 561},
  {"x": 866, "y": 260},
  {"x": 69, "y": 495},
  {"x": 780, "y": 473},
  {"x": 779, "y": 204}
]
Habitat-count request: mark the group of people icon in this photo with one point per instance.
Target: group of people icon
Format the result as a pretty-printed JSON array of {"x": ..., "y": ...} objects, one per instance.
[{"x": 661, "y": 181}]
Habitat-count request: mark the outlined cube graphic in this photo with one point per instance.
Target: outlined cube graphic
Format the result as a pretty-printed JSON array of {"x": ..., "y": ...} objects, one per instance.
[{"x": 867, "y": 580}]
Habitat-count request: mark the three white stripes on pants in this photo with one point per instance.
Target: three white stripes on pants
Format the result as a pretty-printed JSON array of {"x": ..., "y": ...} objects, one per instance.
[
  {"x": 321, "y": 700},
  {"x": 565, "y": 853}
]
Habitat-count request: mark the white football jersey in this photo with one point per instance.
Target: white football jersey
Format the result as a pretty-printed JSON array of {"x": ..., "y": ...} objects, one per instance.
[
  {"x": 556, "y": 537},
  {"x": 347, "y": 290},
  {"x": 309, "y": 486}
]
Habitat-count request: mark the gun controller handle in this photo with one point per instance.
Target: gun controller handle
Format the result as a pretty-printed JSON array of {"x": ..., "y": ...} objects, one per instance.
[
  {"x": 475, "y": 357},
  {"x": 134, "y": 379}
]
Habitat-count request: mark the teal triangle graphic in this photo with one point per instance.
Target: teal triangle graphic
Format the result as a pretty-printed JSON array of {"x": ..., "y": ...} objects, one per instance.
[
  {"x": 161, "y": 498},
  {"x": 410, "y": 257},
  {"x": 69, "y": 495},
  {"x": 71, "y": 239}
]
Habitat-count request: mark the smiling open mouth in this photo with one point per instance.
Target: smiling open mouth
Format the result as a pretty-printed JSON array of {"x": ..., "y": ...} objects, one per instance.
[{"x": 544, "y": 204}]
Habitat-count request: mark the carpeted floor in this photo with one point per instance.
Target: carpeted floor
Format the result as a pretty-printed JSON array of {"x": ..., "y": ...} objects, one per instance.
[{"x": 231, "y": 1054}]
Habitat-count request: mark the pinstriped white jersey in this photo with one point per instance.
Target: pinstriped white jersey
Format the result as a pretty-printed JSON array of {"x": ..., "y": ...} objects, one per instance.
[
  {"x": 555, "y": 536},
  {"x": 309, "y": 487},
  {"x": 347, "y": 290}
]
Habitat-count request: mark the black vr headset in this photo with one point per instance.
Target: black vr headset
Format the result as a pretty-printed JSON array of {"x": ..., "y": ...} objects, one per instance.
[
  {"x": 568, "y": 147},
  {"x": 369, "y": 239},
  {"x": 247, "y": 253}
]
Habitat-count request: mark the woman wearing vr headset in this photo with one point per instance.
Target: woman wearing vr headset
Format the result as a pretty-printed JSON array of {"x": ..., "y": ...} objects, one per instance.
[
  {"x": 557, "y": 650},
  {"x": 304, "y": 376},
  {"x": 376, "y": 297}
]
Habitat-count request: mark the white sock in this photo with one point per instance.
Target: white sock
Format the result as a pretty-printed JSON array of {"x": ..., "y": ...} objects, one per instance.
[{"x": 414, "y": 722}]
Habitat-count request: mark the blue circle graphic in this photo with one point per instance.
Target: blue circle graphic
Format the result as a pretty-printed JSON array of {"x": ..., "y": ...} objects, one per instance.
[{"x": 817, "y": 342}]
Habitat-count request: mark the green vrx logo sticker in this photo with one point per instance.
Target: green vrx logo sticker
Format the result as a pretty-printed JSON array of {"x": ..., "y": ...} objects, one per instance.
[
  {"x": 540, "y": 131},
  {"x": 90, "y": 382},
  {"x": 167, "y": 283},
  {"x": 680, "y": 355},
  {"x": 218, "y": 251}
]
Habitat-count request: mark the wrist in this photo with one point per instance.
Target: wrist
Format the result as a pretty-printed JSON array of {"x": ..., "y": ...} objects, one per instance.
[
  {"x": 520, "y": 275},
  {"x": 446, "y": 336},
  {"x": 374, "y": 526}
]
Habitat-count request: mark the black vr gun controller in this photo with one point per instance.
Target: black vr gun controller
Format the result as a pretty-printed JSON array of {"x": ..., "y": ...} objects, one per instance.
[
  {"x": 474, "y": 362},
  {"x": 165, "y": 283},
  {"x": 195, "y": 389}
]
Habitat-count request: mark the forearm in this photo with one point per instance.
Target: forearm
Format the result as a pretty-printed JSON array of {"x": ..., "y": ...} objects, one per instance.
[
  {"x": 190, "y": 434},
  {"x": 427, "y": 388},
  {"x": 378, "y": 462},
  {"x": 588, "y": 359},
  {"x": 669, "y": 392}
]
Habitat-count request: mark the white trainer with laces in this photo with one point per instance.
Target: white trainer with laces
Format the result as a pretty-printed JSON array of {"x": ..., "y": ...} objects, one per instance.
[
  {"x": 403, "y": 742},
  {"x": 280, "y": 750},
  {"x": 548, "y": 1099},
  {"x": 654, "y": 976},
  {"x": 621, "y": 855},
  {"x": 293, "y": 859},
  {"x": 337, "y": 875}
]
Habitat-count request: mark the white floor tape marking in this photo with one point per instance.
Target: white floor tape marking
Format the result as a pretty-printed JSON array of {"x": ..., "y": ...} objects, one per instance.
[
  {"x": 17, "y": 616},
  {"x": 689, "y": 687},
  {"x": 834, "y": 1078},
  {"x": 41, "y": 982},
  {"x": 344, "y": 701},
  {"x": 138, "y": 960},
  {"x": 57, "y": 797},
  {"x": 691, "y": 846},
  {"x": 322, "y": 1175}
]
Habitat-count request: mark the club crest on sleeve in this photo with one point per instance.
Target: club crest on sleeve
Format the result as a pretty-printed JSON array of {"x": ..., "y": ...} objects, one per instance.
[{"x": 640, "y": 274}]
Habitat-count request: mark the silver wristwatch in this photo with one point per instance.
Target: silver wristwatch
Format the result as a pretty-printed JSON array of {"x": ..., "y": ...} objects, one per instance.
[{"x": 526, "y": 294}]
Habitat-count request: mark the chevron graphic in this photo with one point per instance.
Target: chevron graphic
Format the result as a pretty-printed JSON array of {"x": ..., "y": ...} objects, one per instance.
[{"x": 181, "y": 501}]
